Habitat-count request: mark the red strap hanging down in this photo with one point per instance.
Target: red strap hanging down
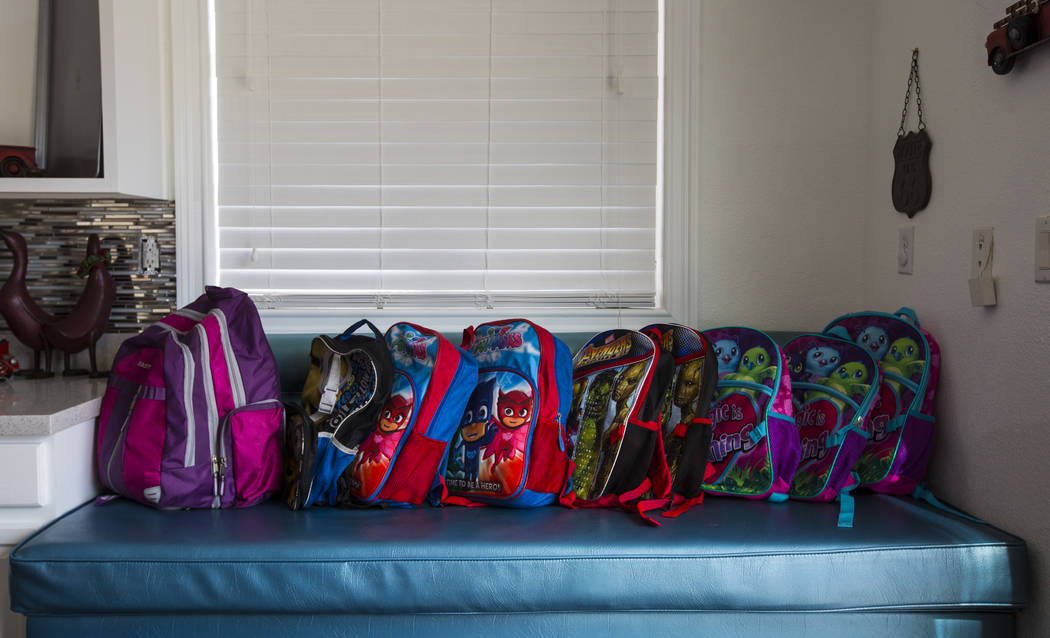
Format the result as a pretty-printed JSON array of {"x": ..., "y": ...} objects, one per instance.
[{"x": 462, "y": 502}]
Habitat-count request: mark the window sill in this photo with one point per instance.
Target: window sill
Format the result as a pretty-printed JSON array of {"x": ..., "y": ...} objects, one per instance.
[{"x": 329, "y": 321}]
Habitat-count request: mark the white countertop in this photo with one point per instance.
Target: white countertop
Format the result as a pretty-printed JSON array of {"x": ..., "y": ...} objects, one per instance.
[{"x": 41, "y": 407}]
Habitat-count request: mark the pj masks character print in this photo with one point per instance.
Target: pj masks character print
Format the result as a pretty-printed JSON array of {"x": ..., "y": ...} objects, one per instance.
[
  {"x": 477, "y": 429},
  {"x": 392, "y": 422},
  {"x": 513, "y": 410},
  {"x": 506, "y": 452}
]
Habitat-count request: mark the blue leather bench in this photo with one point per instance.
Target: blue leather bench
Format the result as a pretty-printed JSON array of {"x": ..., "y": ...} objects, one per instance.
[{"x": 727, "y": 568}]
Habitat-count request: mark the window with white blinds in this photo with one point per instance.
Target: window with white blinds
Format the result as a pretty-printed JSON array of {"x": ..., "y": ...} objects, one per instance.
[{"x": 439, "y": 152}]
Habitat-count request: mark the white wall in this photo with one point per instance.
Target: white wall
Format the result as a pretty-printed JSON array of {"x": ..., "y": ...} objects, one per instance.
[
  {"x": 991, "y": 166},
  {"x": 18, "y": 71},
  {"x": 783, "y": 161}
]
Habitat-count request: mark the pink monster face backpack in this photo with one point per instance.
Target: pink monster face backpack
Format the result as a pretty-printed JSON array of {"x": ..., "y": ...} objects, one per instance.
[
  {"x": 754, "y": 442},
  {"x": 834, "y": 385},
  {"x": 895, "y": 459}
]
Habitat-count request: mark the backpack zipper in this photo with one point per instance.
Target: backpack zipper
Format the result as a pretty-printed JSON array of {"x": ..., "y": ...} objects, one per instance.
[
  {"x": 213, "y": 414},
  {"x": 120, "y": 438},
  {"x": 219, "y": 464}
]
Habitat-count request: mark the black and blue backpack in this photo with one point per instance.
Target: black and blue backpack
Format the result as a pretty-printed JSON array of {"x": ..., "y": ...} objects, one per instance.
[{"x": 348, "y": 381}]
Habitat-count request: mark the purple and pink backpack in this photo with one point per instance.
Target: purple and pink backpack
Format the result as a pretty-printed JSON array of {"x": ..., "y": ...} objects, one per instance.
[
  {"x": 192, "y": 416},
  {"x": 755, "y": 446},
  {"x": 834, "y": 385},
  {"x": 894, "y": 461}
]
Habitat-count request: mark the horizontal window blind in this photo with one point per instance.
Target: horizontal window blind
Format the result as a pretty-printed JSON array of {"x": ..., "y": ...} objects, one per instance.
[{"x": 438, "y": 152}]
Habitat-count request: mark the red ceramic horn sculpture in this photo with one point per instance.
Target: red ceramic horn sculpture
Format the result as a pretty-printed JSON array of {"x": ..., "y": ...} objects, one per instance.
[
  {"x": 24, "y": 317},
  {"x": 85, "y": 324}
]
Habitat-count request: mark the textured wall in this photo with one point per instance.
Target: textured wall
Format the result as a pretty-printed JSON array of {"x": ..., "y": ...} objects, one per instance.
[
  {"x": 783, "y": 162},
  {"x": 56, "y": 233},
  {"x": 18, "y": 73},
  {"x": 991, "y": 166}
]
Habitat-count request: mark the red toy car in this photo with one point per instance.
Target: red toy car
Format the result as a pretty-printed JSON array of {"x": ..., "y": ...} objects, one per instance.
[
  {"x": 8, "y": 364},
  {"x": 1026, "y": 25},
  {"x": 17, "y": 161}
]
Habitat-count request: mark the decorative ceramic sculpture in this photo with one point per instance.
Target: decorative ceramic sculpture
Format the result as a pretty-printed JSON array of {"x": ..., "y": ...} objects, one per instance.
[
  {"x": 25, "y": 319},
  {"x": 85, "y": 324}
]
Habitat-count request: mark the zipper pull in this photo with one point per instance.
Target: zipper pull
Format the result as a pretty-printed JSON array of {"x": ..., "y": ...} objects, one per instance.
[
  {"x": 216, "y": 501},
  {"x": 222, "y": 483}
]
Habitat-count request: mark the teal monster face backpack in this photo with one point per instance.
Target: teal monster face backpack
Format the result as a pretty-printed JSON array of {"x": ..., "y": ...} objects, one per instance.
[
  {"x": 509, "y": 448},
  {"x": 834, "y": 384},
  {"x": 755, "y": 446}
]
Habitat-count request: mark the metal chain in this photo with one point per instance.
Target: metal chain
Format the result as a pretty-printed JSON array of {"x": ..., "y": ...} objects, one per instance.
[{"x": 913, "y": 78}]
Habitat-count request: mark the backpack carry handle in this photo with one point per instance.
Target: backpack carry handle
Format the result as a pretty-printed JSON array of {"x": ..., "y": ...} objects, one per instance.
[
  {"x": 840, "y": 332},
  {"x": 349, "y": 331},
  {"x": 907, "y": 313}
]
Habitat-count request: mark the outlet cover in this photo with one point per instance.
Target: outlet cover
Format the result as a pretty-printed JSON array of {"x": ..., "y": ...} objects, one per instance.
[
  {"x": 905, "y": 249},
  {"x": 149, "y": 255}
]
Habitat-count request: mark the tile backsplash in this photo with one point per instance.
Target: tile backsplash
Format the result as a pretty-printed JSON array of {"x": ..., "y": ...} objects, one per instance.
[{"x": 56, "y": 233}]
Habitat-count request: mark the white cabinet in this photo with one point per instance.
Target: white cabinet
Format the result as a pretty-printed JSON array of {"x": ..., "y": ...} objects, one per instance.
[
  {"x": 135, "y": 48},
  {"x": 47, "y": 437}
]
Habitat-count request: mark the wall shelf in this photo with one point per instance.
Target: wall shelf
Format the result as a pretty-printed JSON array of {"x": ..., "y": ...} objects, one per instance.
[{"x": 135, "y": 54}]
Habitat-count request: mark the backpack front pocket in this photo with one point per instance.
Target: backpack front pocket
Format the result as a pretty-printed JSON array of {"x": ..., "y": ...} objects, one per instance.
[
  {"x": 254, "y": 432},
  {"x": 131, "y": 428},
  {"x": 415, "y": 469},
  {"x": 547, "y": 463}
]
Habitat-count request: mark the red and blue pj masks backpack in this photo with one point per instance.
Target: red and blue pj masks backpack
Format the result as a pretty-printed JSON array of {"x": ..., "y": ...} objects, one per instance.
[
  {"x": 509, "y": 449},
  {"x": 402, "y": 460}
]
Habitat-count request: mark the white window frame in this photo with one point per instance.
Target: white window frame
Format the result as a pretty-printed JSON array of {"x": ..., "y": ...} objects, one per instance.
[{"x": 678, "y": 237}]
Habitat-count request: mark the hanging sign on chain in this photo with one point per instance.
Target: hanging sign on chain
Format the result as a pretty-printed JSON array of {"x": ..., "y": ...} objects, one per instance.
[{"x": 912, "y": 183}]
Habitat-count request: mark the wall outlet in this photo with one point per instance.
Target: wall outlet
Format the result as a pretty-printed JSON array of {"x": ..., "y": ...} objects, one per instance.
[
  {"x": 982, "y": 284},
  {"x": 149, "y": 255},
  {"x": 905, "y": 249}
]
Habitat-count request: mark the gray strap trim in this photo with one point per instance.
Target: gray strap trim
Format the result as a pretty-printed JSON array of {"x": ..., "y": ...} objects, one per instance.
[
  {"x": 209, "y": 393},
  {"x": 187, "y": 395},
  {"x": 236, "y": 381}
]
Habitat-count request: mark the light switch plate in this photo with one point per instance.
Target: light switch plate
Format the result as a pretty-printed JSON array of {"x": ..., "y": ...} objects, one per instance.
[
  {"x": 982, "y": 256},
  {"x": 905, "y": 249},
  {"x": 1042, "y": 249}
]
